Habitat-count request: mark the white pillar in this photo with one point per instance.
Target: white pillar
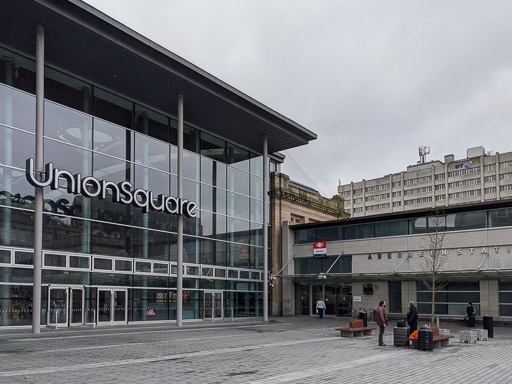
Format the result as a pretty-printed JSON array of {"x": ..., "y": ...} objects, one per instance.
[
  {"x": 38, "y": 214},
  {"x": 265, "y": 229},
  {"x": 179, "y": 282}
]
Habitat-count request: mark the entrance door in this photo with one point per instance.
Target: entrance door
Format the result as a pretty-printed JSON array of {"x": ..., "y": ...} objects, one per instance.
[
  {"x": 213, "y": 305},
  {"x": 76, "y": 306},
  {"x": 112, "y": 306},
  {"x": 330, "y": 300},
  {"x": 57, "y": 307}
]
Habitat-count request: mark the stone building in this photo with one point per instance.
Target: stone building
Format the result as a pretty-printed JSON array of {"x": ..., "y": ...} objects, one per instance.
[{"x": 295, "y": 203}]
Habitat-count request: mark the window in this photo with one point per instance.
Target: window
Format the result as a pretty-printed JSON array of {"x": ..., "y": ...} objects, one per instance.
[
  {"x": 492, "y": 179},
  {"x": 507, "y": 187},
  {"x": 463, "y": 172},
  {"x": 490, "y": 167},
  {"x": 506, "y": 164},
  {"x": 451, "y": 300},
  {"x": 79, "y": 262},
  {"x": 418, "y": 180},
  {"x": 460, "y": 195},
  {"x": 296, "y": 219},
  {"x": 464, "y": 183},
  {"x": 54, "y": 260},
  {"x": 439, "y": 176}
]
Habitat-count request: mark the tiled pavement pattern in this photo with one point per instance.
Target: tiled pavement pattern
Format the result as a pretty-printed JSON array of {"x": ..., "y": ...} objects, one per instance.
[{"x": 285, "y": 350}]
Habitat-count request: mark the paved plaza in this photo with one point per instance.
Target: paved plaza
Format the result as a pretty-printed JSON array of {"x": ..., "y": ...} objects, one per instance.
[{"x": 284, "y": 350}]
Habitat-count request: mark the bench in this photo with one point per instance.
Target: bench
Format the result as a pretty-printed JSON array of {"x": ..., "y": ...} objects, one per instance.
[
  {"x": 355, "y": 328},
  {"x": 440, "y": 340}
]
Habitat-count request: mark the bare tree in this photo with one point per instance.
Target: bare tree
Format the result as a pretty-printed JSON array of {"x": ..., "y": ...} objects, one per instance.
[{"x": 434, "y": 257}]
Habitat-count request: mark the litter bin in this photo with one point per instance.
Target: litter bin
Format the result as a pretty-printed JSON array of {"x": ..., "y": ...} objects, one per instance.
[
  {"x": 487, "y": 320},
  {"x": 363, "y": 316},
  {"x": 400, "y": 336},
  {"x": 425, "y": 339}
]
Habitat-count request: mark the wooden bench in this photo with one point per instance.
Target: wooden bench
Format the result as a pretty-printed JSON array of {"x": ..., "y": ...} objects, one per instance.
[
  {"x": 440, "y": 340},
  {"x": 355, "y": 328}
]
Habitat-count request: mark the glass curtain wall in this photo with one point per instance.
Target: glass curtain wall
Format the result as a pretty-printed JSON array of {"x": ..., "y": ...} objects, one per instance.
[{"x": 91, "y": 131}]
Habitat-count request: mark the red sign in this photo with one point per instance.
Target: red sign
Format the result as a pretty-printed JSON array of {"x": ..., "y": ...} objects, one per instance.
[
  {"x": 319, "y": 249},
  {"x": 151, "y": 312}
]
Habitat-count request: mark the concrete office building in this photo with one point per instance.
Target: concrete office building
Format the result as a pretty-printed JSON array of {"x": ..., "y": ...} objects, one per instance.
[
  {"x": 381, "y": 257},
  {"x": 150, "y": 164},
  {"x": 478, "y": 178}
]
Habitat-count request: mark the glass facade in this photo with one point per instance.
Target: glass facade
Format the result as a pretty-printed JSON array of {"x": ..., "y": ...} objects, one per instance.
[
  {"x": 491, "y": 218},
  {"x": 451, "y": 299},
  {"x": 120, "y": 256}
]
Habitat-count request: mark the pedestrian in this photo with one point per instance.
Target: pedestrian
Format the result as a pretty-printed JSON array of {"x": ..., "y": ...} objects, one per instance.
[
  {"x": 382, "y": 321},
  {"x": 412, "y": 318},
  {"x": 470, "y": 315},
  {"x": 320, "y": 307}
]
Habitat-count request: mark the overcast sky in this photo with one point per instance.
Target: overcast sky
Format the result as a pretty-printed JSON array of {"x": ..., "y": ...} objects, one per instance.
[{"x": 373, "y": 79}]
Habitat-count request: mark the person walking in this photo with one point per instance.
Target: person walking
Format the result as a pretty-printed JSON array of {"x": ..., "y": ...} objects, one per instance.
[
  {"x": 320, "y": 307},
  {"x": 382, "y": 321},
  {"x": 412, "y": 318}
]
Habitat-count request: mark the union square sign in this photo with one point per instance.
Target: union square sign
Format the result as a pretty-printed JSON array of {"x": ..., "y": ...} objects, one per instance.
[{"x": 122, "y": 193}]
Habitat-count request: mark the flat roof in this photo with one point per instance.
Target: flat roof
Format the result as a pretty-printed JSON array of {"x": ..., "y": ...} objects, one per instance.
[
  {"x": 407, "y": 214},
  {"x": 86, "y": 42}
]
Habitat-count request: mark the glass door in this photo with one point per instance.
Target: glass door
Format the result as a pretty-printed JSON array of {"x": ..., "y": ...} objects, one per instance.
[
  {"x": 76, "y": 306},
  {"x": 212, "y": 305},
  {"x": 104, "y": 305},
  {"x": 112, "y": 306},
  {"x": 57, "y": 307},
  {"x": 330, "y": 300}
]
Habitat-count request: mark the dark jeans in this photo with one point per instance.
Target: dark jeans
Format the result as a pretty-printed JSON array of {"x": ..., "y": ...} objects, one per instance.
[
  {"x": 381, "y": 334},
  {"x": 321, "y": 312}
]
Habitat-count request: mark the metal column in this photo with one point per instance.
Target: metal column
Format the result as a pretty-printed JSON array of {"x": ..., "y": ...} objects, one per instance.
[
  {"x": 265, "y": 229},
  {"x": 38, "y": 214},
  {"x": 179, "y": 283}
]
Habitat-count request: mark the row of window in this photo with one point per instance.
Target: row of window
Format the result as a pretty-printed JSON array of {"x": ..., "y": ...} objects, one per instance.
[
  {"x": 452, "y": 222},
  {"x": 464, "y": 183},
  {"x": 377, "y": 207},
  {"x": 415, "y": 191},
  {"x": 374, "y": 188},
  {"x": 241, "y": 248},
  {"x": 463, "y": 194},
  {"x": 418, "y": 180},
  {"x": 463, "y": 172},
  {"x": 422, "y": 200},
  {"x": 24, "y": 258},
  {"x": 377, "y": 197}
]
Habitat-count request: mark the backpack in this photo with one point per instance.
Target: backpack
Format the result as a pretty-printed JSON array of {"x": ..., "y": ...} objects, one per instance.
[{"x": 375, "y": 313}]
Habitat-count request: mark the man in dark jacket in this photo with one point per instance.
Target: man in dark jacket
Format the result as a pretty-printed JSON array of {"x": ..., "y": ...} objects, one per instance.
[
  {"x": 470, "y": 315},
  {"x": 382, "y": 320},
  {"x": 412, "y": 318}
]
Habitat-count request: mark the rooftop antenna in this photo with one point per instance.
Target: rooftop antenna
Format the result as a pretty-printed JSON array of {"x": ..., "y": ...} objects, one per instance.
[{"x": 423, "y": 152}]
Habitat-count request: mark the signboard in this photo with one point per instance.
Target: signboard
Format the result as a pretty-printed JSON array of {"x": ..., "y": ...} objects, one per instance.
[
  {"x": 122, "y": 193},
  {"x": 320, "y": 249},
  {"x": 356, "y": 299},
  {"x": 151, "y": 312},
  {"x": 368, "y": 289}
]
